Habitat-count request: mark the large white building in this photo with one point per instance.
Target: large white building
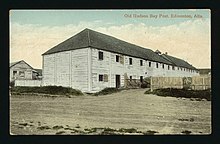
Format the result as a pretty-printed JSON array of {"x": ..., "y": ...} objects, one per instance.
[{"x": 91, "y": 61}]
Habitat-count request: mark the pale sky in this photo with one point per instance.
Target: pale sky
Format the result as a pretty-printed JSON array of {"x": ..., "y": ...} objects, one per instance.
[{"x": 33, "y": 32}]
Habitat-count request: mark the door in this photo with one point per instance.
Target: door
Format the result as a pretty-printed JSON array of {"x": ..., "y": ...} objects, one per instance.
[{"x": 117, "y": 81}]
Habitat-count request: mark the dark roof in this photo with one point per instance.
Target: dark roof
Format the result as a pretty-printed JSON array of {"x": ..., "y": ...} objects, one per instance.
[
  {"x": 90, "y": 38},
  {"x": 178, "y": 62},
  {"x": 39, "y": 71},
  {"x": 14, "y": 63}
]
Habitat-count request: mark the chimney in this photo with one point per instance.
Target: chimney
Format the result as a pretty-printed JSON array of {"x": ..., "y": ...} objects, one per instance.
[{"x": 158, "y": 52}]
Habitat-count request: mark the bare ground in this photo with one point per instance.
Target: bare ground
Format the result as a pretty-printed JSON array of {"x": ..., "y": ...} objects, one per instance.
[{"x": 126, "y": 112}]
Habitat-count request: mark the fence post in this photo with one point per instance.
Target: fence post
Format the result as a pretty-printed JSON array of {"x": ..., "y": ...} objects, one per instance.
[
  {"x": 203, "y": 83},
  {"x": 151, "y": 84}
]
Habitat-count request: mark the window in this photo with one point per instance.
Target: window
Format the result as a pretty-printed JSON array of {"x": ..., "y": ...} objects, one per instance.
[
  {"x": 163, "y": 66},
  {"x": 141, "y": 79},
  {"x": 156, "y": 65},
  {"x": 178, "y": 68},
  {"x": 130, "y": 61},
  {"x": 173, "y": 67},
  {"x": 141, "y": 62},
  {"x": 100, "y": 77},
  {"x": 168, "y": 67},
  {"x": 149, "y": 64},
  {"x": 21, "y": 73},
  {"x": 100, "y": 55},
  {"x": 181, "y": 69},
  {"x": 14, "y": 73},
  {"x": 117, "y": 58},
  {"x": 130, "y": 77},
  {"x": 105, "y": 78}
]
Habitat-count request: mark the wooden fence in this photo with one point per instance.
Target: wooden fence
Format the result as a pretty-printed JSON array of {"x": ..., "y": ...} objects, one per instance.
[
  {"x": 195, "y": 83},
  {"x": 30, "y": 83}
]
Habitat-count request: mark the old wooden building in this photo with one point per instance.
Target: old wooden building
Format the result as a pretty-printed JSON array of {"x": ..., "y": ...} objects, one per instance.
[
  {"x": 91, "y": 61},
  {"x": 21, "y": 70}
]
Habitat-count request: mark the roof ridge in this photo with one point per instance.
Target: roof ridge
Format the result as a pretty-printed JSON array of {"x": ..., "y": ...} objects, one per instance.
[{"x": 88, "y": 37}]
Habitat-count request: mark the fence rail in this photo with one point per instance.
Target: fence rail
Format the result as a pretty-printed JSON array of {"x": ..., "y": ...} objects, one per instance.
[
  {"x": 30, "y": 83},
  {"x": 195, "y": 83}
]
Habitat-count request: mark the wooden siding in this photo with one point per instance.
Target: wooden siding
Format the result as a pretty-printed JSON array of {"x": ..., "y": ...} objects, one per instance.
[
  {"x": 21, "y": 67},
  {"x": 68, "y": 69},
  {"x": 80, "y": 69},
  {"x": 109, "y": 66}
]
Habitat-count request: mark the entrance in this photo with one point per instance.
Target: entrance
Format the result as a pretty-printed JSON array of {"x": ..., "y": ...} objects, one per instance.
[{"x": 117, "y": 81}]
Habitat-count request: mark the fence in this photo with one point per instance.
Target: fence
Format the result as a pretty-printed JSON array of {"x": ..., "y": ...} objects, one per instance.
[
  {"x": 195, "y": 83},
  {"x": 30, "y": 83},
  {"x": 201, "y": 82}
]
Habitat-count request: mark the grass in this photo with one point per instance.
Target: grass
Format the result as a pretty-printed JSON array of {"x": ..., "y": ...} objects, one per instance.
[
  {"x": 107, "y": 91},
  {"x": 172, "y": 92},
  {"x": 53, "y": 90}
]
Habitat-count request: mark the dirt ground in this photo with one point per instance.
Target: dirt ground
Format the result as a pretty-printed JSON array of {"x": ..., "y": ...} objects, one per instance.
[{"x": 126, "y": 112}]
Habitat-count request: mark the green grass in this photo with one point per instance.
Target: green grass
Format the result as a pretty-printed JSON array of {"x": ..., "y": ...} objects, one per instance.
[
  {"x": 54, "y": 90},
  {"x": 107, "y": 91},
  {"x": 172, "y": 92}
]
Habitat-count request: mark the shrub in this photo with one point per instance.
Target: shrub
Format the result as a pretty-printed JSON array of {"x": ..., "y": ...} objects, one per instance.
[
  {"x": 56, "y": 90},
  {"x": 200, "y": 94},
  {"x": 107, "y": 91}
]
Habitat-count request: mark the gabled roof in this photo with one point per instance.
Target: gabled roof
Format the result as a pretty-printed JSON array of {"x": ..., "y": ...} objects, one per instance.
[
  {"x": 14, "y": 63},
  {"x": 178, "y": 62},
  {"x": 90, "y": 38}
]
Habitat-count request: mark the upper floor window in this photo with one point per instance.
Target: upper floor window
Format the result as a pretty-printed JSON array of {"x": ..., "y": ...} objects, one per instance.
[
  {"x": 117, "y": 58},
  {"x": 101, "y": 77},
  {"x": 149, "y": 64},
  {"x": 100, "y": 55},
  {"x": 141, "y": 62},
  {"x": 130, "y": 61},
  {"x": 168, "y": 67},
  {"x": 173, "y": 67},
  {"x": 21, "y": 73},
  {"x": 130, "y": 77},
  {"x": 163, "y": 66},
  {"x": 14, "y": 73},
  {"x": 156, "y": 65}
]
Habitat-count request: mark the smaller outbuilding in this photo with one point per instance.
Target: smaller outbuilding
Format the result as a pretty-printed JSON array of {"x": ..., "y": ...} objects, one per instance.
[{"x": 21, "y": 70}]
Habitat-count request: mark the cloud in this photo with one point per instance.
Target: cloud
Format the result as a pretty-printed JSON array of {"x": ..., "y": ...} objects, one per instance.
[{"x": 189, "y": 40}]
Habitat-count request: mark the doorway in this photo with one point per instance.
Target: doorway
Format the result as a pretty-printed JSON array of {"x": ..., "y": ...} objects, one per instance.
[{"x": 117, "y": 81}]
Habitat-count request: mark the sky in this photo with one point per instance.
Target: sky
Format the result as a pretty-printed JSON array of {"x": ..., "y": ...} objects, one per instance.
[{"x": 183, "y": 33}]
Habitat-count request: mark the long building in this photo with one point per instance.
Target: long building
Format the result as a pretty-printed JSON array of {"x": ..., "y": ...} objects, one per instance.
[{"x": 91, "y": 61}]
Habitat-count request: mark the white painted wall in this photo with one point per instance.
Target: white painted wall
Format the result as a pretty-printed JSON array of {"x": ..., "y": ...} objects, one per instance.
[
  {"x": 80, "y": 69},
  {"x": 30, "y": 83},
  {"x": 112, "y": 68},
  {"x": 68, "y": 69}
]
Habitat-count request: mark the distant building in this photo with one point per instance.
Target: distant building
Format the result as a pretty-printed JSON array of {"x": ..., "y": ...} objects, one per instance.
[
  {"x": 91, "y": 61},
  {"x": 205, "y": 71},
  {"x": 22, "y": 70}
]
